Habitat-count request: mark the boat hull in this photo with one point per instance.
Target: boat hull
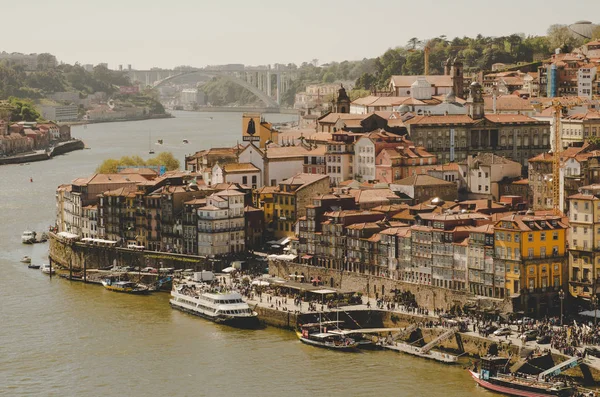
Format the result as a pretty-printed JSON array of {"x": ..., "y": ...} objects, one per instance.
[
  {"x": 128, "y": 290},
  {"x": 508, "y": 390},
  {"x": 347, "y": 348},
  {"x": 246, "y": 322}
]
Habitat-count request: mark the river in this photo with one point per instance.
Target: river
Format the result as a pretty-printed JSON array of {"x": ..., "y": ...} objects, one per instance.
[{"x": 59, "y": 338}]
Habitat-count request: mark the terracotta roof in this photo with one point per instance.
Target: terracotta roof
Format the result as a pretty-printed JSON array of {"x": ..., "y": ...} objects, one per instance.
[
  {"x": 102, "y": 179},
  {"x": 303, "y": 179},
  {"x": 489, "y": 158},
  {"x": 139, "y": 170},
  {"x": 436, "y": 120},
  {"x": 286, "y": 152},
  {"x": 511, "y": 118},
  {"x": 445, "y": 167},
  {"x": 239, "y": 167},
  {"x": 507, "y": 103},
  {"x": 521, "y": 182}
]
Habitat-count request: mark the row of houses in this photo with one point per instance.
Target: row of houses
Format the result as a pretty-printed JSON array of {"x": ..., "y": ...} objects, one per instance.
[{"x": 25, "y": 137}]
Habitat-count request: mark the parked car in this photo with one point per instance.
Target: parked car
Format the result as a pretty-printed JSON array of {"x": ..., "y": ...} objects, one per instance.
[
  {"x": 502, "y": 331},
  {"x": 543, "y": 339},
  {"x": 489, "y": 329},
  {"x": 530, "y": 335},
  {"x": 592, "y": 351}
]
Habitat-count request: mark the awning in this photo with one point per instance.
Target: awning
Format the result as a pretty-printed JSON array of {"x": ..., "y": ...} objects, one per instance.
[
  {"x": 324, "y": 291},
  {"x": 282, "y": 241},
  {"x": 307, "y": 257},
  {"x": 591, "y": 313}
]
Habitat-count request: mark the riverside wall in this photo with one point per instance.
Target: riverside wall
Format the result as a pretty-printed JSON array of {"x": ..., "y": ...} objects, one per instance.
[
  {"x": 75, "y": 255},
  {"x": 40, "y": 155},
  {"x": 427, "y": 296}
]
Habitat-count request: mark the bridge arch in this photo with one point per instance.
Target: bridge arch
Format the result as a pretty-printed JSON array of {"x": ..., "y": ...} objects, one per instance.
[{"x": 267, "y": 100}]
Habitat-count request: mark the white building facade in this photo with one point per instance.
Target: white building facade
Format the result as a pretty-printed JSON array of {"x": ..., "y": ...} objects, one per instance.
[{"x": 221, "y": 224}]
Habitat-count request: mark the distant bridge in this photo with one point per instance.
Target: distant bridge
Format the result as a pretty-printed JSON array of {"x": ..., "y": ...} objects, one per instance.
[{"x": 257, "y": 80}]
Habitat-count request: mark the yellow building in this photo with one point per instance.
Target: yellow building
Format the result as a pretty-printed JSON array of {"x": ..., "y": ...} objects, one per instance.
[
  {"x": 263, "y": 199},
  {"x": 256, "y": 129},
  {"x": 584, "y": 241},
  {"x": 291, "y": 199},
  {"x": 531, "y": 250}
]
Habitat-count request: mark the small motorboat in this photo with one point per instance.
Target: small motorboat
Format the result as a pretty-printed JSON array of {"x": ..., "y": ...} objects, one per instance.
[
  {"x": 46, "y": 269},
  {"x": 31, "y": 266},
  {"x": 25, "y": 259},
  {"x": 160, "y": 142},
  {"x": 186, "y": 141},
  {"x": 28, "y": 237}
]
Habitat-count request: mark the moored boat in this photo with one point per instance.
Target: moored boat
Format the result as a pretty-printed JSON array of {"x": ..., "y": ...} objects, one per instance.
[
  {"x": 47, "y": 269},
  {"x": 128, "y": 287},
  {"x": 492, "y": 377},
  {"x": 33, "y": 266},
  {"x": 316, "y": 334},
  {"x": 220, "y": 306},
  {"x": 28, "y": 237},
  {"x": 25, "y": 259}
]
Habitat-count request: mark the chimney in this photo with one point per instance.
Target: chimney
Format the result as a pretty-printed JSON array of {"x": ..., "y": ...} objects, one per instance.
[{"x": 489, "y": 203}]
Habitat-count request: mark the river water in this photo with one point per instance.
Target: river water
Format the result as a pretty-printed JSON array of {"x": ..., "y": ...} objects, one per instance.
[{"x": 60, "y": 338}]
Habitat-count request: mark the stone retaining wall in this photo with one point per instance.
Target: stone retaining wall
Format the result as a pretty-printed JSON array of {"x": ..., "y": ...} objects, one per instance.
[{"x": 427, "y": 296}]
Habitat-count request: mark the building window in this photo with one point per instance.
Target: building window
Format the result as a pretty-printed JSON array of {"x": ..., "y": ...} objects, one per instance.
[
  {"x": 530, "y": 237},
  {"x": 530, "y": 253},
  {"x": 543, "y": 236},
  {"x": 244, "y": 180}
]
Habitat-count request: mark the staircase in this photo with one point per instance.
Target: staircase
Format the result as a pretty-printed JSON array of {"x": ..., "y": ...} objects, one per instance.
[
  {"x": 404, "y": 332},
  {"x": 560, "y": 367},
  {"x": 445, "y": 336}
]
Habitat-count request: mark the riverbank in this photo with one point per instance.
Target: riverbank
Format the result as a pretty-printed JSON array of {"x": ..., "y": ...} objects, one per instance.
[
  {"x": 41, "y": 155},
  {"x": 147, "y": 117}
]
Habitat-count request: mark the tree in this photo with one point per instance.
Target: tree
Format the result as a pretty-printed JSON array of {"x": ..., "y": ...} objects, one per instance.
[
  {"x": 22, "y": 110},
  {"x": 413, "y": 43},
  {"x": 108, "y": 166},
  {"x": 328, "y": 77},
  {"x": 46, "y": 61},
  {"x": 366, "y": 82},
  {"x": 165, "y": 158},
  {"x": 559, "y": 36}
]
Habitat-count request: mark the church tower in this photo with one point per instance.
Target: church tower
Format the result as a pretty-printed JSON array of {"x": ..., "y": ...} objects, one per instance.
[
  {"x": 475, "y": 104},
  {"x": 342, "y": 104},
  {"x": 456, "y": 74}
]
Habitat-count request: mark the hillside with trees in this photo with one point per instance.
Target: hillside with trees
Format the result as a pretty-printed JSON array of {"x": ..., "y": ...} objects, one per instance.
[{"x": 477, "y": 53}]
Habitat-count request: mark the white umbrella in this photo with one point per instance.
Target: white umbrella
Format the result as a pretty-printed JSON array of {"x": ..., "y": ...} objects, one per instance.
[
  {"x": 229, "y": 269},
  {"x": 260, "y": 283}
]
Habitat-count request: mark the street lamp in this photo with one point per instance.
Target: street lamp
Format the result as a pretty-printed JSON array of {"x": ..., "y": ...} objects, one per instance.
[
  {"x": 561, "y": 296},
  {"x": 595, "y": 306}
]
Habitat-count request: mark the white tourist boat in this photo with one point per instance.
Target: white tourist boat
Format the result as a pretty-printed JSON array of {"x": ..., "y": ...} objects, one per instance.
[{"x": 223, "y": 307}]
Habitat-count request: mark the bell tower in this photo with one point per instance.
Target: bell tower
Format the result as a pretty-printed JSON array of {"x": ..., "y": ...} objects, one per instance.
[
  {"x": 475, "y": 104},
  {"x": 342, "y": 104},
  {"x": 456, "y": 74}
]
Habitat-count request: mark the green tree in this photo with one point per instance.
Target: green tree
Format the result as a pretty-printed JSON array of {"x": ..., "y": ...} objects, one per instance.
[
  {"x": 22, "y": 110},
  {"x": 46, "y": 61},
  {"x": 559, "y": 36},
  {"x": 328, "y": 77},
  {"x": 165, "y": 158},
  {"x": 108, "y": 166}
]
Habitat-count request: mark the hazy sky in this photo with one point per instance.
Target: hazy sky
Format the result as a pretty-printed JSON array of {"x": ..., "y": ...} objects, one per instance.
[{"x": 146, "y": 33}]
